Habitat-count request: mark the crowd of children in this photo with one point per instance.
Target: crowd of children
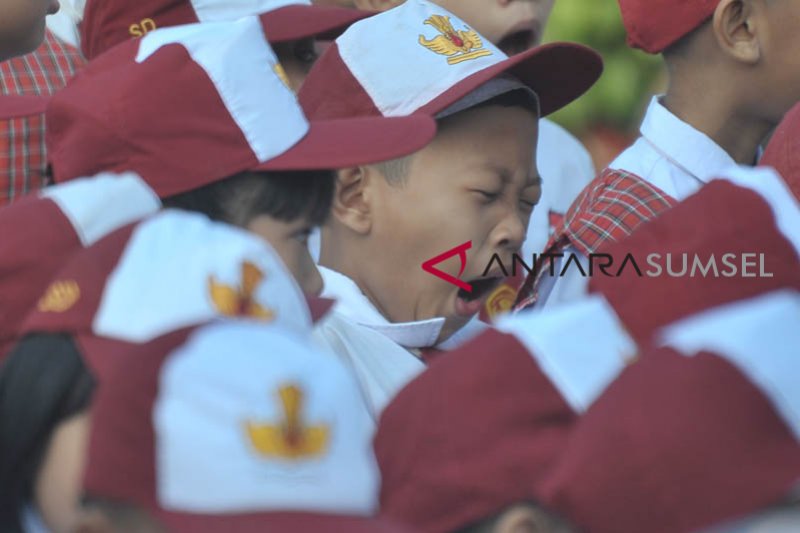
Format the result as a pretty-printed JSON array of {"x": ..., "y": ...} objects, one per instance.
[{"x": 217, "y": 311}]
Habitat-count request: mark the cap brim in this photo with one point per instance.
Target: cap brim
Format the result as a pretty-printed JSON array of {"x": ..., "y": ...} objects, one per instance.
[
  {"x": 342, "y": 143},
  {"x": 558, "y": 73},
  {"x": 287, "y": 522},
  {"x": 295, "y": 22},
  {"x": 99, "y": 352},
  {"x": 13, "y": 106}
]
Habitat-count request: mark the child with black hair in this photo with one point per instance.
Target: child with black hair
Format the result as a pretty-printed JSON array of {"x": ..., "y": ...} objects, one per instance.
[
  {"x": 259, "y": 164},
  {"x": 733, "y": 71},
  {"x": 474, "y": 188}
]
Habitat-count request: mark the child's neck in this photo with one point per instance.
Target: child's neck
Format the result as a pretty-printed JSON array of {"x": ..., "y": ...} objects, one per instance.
[{"x": 725, "y": 122}]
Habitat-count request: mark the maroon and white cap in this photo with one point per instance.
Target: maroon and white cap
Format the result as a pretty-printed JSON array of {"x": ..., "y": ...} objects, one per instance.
[
  {"x": 41, "y": 231},
  {"x": 171, "y": 271},
  {"x": 478, "y": 430},
  {"x": 241, "y": 428},
  {"x": 107, "y": 23},
  {"x": 747, "y": 215},
  {"x": 694, "y": 434},
  {"x": 655, "y": 25},
  {"x": 419, "y": 57},
  {"x": 190, "y": 105}
]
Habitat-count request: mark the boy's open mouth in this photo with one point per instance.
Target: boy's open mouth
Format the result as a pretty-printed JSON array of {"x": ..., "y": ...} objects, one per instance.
[
  {"x": 517, "y": 42},
  {"x": 470, "y": 303}
]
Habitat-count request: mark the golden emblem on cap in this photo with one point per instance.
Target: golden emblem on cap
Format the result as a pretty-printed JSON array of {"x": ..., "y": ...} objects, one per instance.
[
  {"x": 281, "y": 73},
  {"x": 292, "y": 438},
  {"x": 142, "y": 28},
  {"x": 240, "y": 301},
  {"x": 59, "y": 297},
  {"x": 501, "y": 301},
  {"x": 458, "y": 45}
]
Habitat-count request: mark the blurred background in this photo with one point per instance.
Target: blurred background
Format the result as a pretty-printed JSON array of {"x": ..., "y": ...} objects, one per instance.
[{"x": 607, "y": 118}]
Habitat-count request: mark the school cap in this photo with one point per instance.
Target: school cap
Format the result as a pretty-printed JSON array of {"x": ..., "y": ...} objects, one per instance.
[
  {"x": 783, "y": 150},
  {"x": 697, "y": 433},
  {"x": 418, "y": 57},
  {"x": 190, "y": 105},
  {"x": 748, "y": 215},
  {"x": 168, "y": 272},
  {"x": 42, "y": 230},
  {"x": 17, "y": 106},
  {"x": 107, "y": 23},
  {"x": 240, "y": 428},
  {"x": 654, "y": 25},
  {"x": 477, "y": 431}
]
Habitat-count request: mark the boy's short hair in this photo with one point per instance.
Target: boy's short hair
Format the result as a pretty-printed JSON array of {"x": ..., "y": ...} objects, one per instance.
[
  {"x": 396, "y": 170},
  {"x": 286, "y": 196}
]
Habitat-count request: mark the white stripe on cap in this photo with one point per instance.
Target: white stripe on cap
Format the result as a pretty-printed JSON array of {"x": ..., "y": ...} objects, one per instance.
[
  {"x": 165, "y": 276},
  {"x": 770, "y": 186},
  {"x": 760, "y": 336},
  {"x": 242, "y": 67},
  {"x": 230, "y": 375},
  {"x": 222, "y": 10},
  {"x": 97, "y": 206},
  {"x": 393, "y": 38},
  {"x": 581, "y": 347}
]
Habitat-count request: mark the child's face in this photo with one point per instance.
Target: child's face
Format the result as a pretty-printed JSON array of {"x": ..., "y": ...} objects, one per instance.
[
  {"x": 58, "y": 481},
  {"x": 513, "y": 25},
  {"x": 22, "y": 25},
  {"x": 782, "y": 60},
  {"x": 297, "y": 58},
  {"x": 476, "y": 182},
  {"x": 290, "y": 241}
]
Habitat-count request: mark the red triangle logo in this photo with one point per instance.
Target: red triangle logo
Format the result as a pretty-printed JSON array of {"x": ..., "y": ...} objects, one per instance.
[{"x": 461, "y": 252}]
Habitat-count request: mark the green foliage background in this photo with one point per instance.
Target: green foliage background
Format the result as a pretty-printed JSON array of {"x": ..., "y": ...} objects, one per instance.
[{"x": 619, "y": 98}]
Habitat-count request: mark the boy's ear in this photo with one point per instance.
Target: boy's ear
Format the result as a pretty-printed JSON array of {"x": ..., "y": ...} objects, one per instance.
[
  {"x": 351, "y": 200},
  {"x": 377, "y": 5},
  {"x": 736, "y": 29}
]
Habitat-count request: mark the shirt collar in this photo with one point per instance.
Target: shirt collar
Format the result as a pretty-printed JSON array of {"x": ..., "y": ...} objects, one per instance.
[
  {"x": 688, "y": 148},
  {"x": 354, "y": 305}
]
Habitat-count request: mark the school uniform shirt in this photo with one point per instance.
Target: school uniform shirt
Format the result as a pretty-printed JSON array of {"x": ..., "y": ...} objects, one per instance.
[
  {"x": 64, "y": 24},
  {"x": 384, "y": 355},
  {"x": 670, "y": 161},
  {"x": 23, "y": 160}
]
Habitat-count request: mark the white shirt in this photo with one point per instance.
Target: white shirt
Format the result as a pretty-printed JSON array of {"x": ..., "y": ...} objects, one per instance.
[
  {"x": 64, "y": 24},
  {"x": 566, "y": 168},
  {"x": 383, "y": 354},
  {"x": 671, "y": 155}
]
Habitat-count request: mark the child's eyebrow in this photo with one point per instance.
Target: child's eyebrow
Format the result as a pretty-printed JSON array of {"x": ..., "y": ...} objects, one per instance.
[{"x": 506, "y": 178}]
